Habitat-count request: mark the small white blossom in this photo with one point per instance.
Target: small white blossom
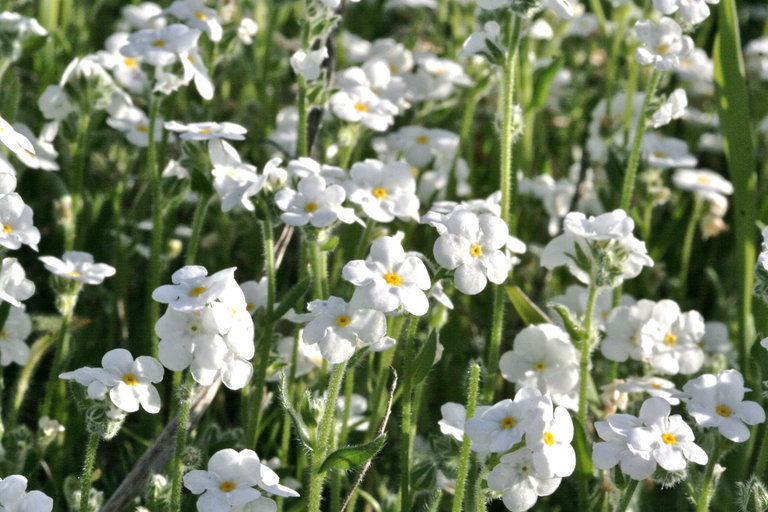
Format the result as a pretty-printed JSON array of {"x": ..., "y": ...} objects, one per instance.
[
  {"x": 501, "y": 426},
  {"x": 14, "y": 498},
  {"x": 78, "y": 266},
  {"x": 515, "y": 476},
  {"x": 195, "y": 14},
  {"x": 692, "y": 11},
  {"x": 308, "y": 64},
  {"x": 161, "y": 47},
  {"x": 673, "y": 108},
  {"x": 315, "y": 202},
  {"x": 14, "y": 285},
  {"x": 662, "y": 44},
  {"x": 384, "y": 191},
  {"x": 207, "y": 130}
]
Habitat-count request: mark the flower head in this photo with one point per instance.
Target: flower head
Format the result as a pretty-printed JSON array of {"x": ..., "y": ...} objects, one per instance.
[
  {"x": 78, "y": 266},
  {"x": 662, "y": 44}
]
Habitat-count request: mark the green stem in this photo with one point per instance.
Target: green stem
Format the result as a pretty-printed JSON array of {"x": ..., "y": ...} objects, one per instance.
[
  {"x": 153, "y": 177},
  {"x": 584, "y": 350},
  {"x": 494, "y": 345},
  {"x": 406, "y": 437},
  {"x": 627, "y": 496},
  {"x": 685, "y": 255},
  {"x": 181, "y": 443},
  {"x": 508, "y": 179},
  {"x": 198, "y": 220},
  {"x": 762, "y": 455},
  {"x": 87, "y": 477},
  {"x": 76, "y": 186},
  {"x": 461, "y": 478},
  {"x": 319, "y": 272},
  {"x": 324, "y": 435},
  {"x": 54, "y": 386},
  {"x": 706, "y": 492},
  {"x": 634, "y": 158}
]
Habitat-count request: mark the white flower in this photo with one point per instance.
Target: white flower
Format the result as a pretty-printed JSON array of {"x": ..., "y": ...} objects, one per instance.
[
  {"x": 190, "y": 338},
  {"x": 616, "y": 449},
  {"x": 255, "y": 293},
  {"x": 435, "y": 78},
  {"x": 472, "y": 245},
  {"x": 673, "y": 108},
  {"x": 668, "y": 439},
  {"x": 543, "y": 357},
  {"x": 654, "y": 386},
  {"x": 549, "y": 438},
  {"x": 717, "y": 401},
  {"x": 14, "y": 498},
  {"x": 235, "y": 182},
  {"x": 556, "y": 197},
  {"x": 130, "y": 120},
  {"x": 231, "y": 479},
  {"x": 517, "y": 479},
  {"x": 622, "y": 332},
  {"x": 14, "y": 285},
  {"x": 674, "y": 338},
  {"x": 479, "y": 42},
  {"x": 49, "y": 427},
  {"x": 454, "y": 417},
  {"x": 195, "y": 14},
  {"x": 315, "y": 202},
  {"x": 194, "y": 69},
  {"x": 161, "y": 47},
  {"x": 377, "y": 76},
  {"x": 16, "y": 223},
  {"x": 22, "y": 25},
  {"x": 501, "y": 426},
  {"x": 246, "y": 30},
  {"x": 308, "y": 64},
  {"x": 389, "y": 279},
  {"x": 339, "y": 325},
  {"x": 78, "y": 266},
  {"x": 384, "y": 191},
  {"x": 128, "y": 381},
  {"x": 600, "y": 248},
  {"x": 702, "y": 182},
  {"x": 174, "y": 169},
  {"x": 17, "y": 328},
  {"x": 662, "y": 44},
  {"x": 207, "y": 130},
  {"x": 359, "y": 104},
  {"x": 126, "y": 70},
  {"x": 54, "y": 103},
  {"x": 692, "y": 11},
  {"x": 13, "y": 140},
  {"x": 144, "y": 15},
  {"x": 666, "y": 152},
  {"x": 192, "y": 288},
  {"x": 45, "y": 153}
]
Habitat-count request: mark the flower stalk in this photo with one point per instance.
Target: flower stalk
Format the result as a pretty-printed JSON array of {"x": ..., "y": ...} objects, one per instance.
[
  {"x": 461, "y": 477},
  {"x": 86, "y": 479},
  {"x": 626, "y": 497},
  {"x": 153, "y": 177},
  {"x": 181, "y": 443},
  {"x": 406, "y": 438}
]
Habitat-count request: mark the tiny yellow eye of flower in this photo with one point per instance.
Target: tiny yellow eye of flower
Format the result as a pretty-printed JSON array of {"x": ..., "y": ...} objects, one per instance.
[
  {"x": 343, "y": 320},
  {"x": 633, "y": 339},
  {"x": 310, "y": 207},
  {"x": 250, "y": 307},
  {"x": 662, "y": 49},
  {"x": 142, "y": 128},
  {"x": 7, "y": 228},
  {"x": 159, "y": 43},
  {"x": 3, "y": 335},
  {"x": 723, "y": 410},
  {"x": 655, "y": 385},
  {"x": 392, "y": 279},
  {"x": 508, "y": 422},
  {"x": 669, "y": 438},
  {"x": 421, "y": 139},
  {"x": 201, "y": 16},
  {"x": 227, "y": 486},
  {"x": 74, "y": 273},
  {"x": 659, "y": 154},
  {"x": 539, "y": 366},
  {"x": 197, "y": 290},
  {"x": 670, "y": 340},
  {"x": 130, "y": 62},
  {"x": 379, "y": 193},
  {"x": 549, "y": 438},
  {"x": 702, "y": 180},
  {"x": 205, "y": 130},
  {"x": 130, "y": 379},
  {"x": 476, "y": 251},
  {"x": 360, "y": 107}
]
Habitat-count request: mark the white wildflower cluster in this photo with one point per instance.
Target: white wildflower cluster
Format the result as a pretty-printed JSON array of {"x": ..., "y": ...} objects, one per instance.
[
  {"x": 207, "y": 327},
  {"x": 14, "y": 496}
]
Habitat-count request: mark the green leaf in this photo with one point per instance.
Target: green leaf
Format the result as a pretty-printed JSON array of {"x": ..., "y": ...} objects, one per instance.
[
  {"x": 290, "y": 299},
  {"x": 529, "y": 312},
  {"x": 298, "y": 423},
  {"x": 426, "y": 357},
  {"x": 542, "y": 82},
  {"x": 572, "y": 326},
  {"x": 353, "y": 456},
  {"x": 584, "y": 467}
]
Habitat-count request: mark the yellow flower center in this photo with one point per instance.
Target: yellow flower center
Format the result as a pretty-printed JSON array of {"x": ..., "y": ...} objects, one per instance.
[
  {"x": 7, "y": 228},
  {"x": 421, "y": 139},
  {"x": 655, "y": 385},
  {"x": 549, "y": 438},
  {"x": 343, "y": 320},
  {"x": 197, "y": 290},
  {"x": 670, "y": 340},
  {"x": 633, "y": 339},
  {"x": 159, "y": 43},
  {"x": 539, "y": 366},
  {"x": 379, "y": 193},
  {"x": 723, "y": 410},
  {"x": 476, "y": 251},
  {"x": 392, "y": 279},
  {"x": 142, "y": 128},
  {"x": 130, "y": 62},
  {"x": 360, "y": 107},
  {"x": 702, "y": 180},
  {"x": 201, "y": 16},
  {"x": 310, "y": 207},
  {"x": 659, "y": 154},
  {"x": 74, "y": 273},
  {"x": 130, "y": 379},
  {"x": 227, "y": 486},
  {"x": 3, "y": 335},
  {"x": 662, "y": 49},
  {"x": 205, "y": 130},
  {"x": 250, "y": 307},
  {"x": 669, "y": 438},
  {"x": 508, "y": 422}
]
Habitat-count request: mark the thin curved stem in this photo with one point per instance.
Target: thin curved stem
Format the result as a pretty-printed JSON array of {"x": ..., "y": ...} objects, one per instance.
[
  {"x": 627, "y": 496},
  {"x": 406, "y": 437},
  {"x": 86, "y": 479},
  {"x": 181, "y": 444},
  {"x": 153, "y": 176},
  {"x": 461, "y": 477}
]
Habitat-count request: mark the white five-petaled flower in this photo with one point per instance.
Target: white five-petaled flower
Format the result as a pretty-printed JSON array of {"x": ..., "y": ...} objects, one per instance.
[
  {"x": 78, "y": 266},
  {"x": 501, "y": 426},
  {"x": 692, "y": 11},
  {"x": 231, "y": 481},
  {"x": 235, "y": 182},
  {"x": 517, "y": 479},
  {"x": 390, "y": 279},
  {"x": 549, "y": 438},
  {"x": 193, "y": 288},
  {"x": 15, "y": 498},
  {"x": 718, "y": 401},
  {"x": 472, "y": 245},
  {"x": 359, "y": 104},
  {"x": 14, "y": 285},
  {"x": 161, "y": 47},
  {"x": 338, "y": 325},
  {"x": 384, "y": 191},
  {"x": 674, "y": 339},
  {"x": 673, "y": 108},
  {"x": 17, "y": 328},
  {"x": 315, "y": 202},
  {"x": 666, "y": 152},
  {"x": 129, "y": 382},
  {"x": 195, "y": 14},
  {"x": 308, "y": 64},
  {"x": 207, "y": 130},
  {"x": 662, "y": 44},
  {"x": 667, "y": 439},
  {"x": 454, "y": 418},
  {"x": 614, "y": 448},
  {"x": 543, "y": 357},
  {"x": 16, "y": 225}
]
